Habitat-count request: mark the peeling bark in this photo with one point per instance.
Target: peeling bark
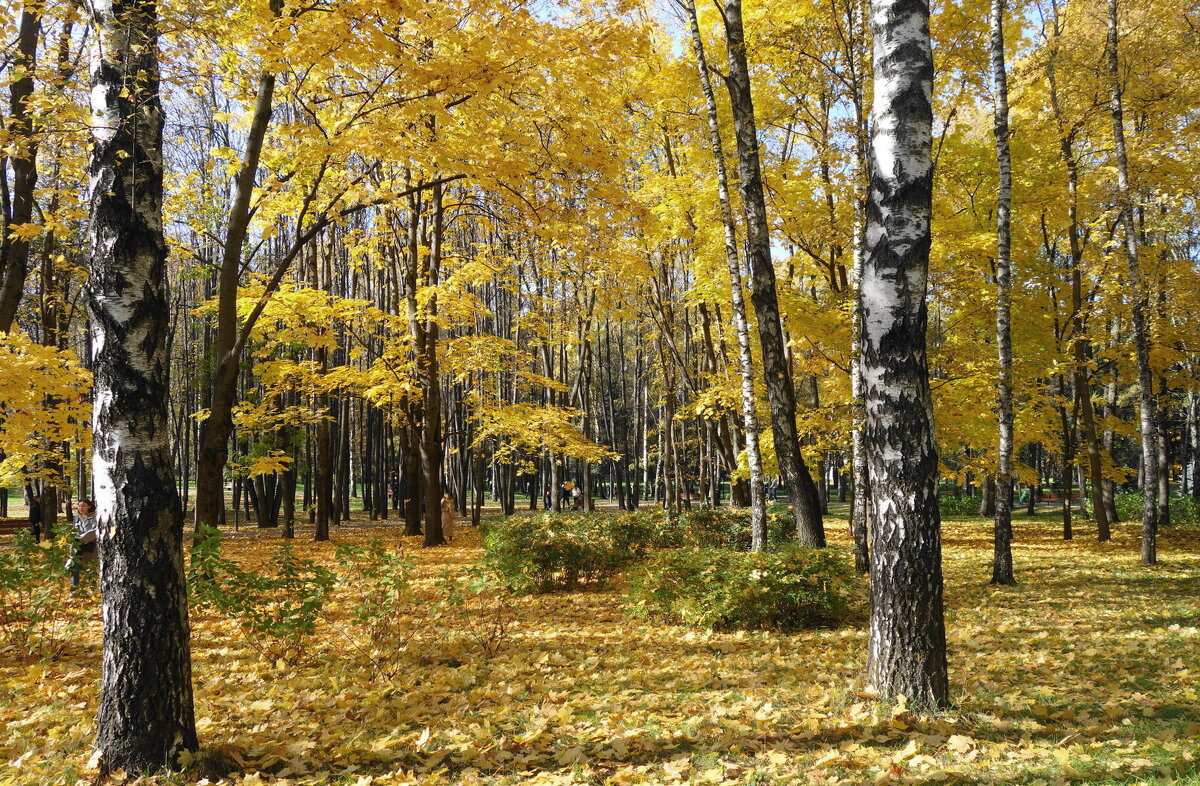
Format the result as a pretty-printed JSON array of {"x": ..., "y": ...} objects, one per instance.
[
  {"x": 758, "y": 497},
  {"x": 1140, "y": 306},
  {"x": 777, "y": 374},
  {"x": 907, "y": 649},
  {"x": 1002, "y": 561},
  {"x": 145, "y": 716}
]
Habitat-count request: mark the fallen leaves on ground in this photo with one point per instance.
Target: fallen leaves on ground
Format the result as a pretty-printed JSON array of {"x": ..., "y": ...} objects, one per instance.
[{"x": 1086, "y": 671}]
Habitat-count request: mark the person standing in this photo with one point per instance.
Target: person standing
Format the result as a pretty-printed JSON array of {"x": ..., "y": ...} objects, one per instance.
[
  {"x": 448, "y": 515},
  {"x": 37, "y": 517},
  {"x": 84, "y": 527}
]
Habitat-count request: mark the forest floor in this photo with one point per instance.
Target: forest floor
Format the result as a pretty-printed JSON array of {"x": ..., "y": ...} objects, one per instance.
[{"x": 1085, "y": 672}]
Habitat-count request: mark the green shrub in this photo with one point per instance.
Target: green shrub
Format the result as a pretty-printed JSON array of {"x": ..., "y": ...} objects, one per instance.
[
  {"x": 1184, "y": 510},
  {"x": 481, "y": 604},
  {"x": 277, "y": 609},
  {"x": 383, "y": 606},
  {"x": 789, "y": 589},
  {"x": 37, "y": 613},
  {"x": 548, "y": 552},
  {"x": 381, "y": 575},
  {"x": 950, "y": 505},
  {"x": 725, "y": 528}
]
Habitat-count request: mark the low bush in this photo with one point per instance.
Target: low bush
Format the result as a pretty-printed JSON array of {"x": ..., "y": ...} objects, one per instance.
[
  {"x": 950, "y": 505},
  {"x": 723, "y": 528},
  {"x": 276, "y": 606},
  {"x": 481, "y": 604},
  {"x": 789, "y": 589},
  {"x": 565, "y": 551},
  {"x": 549, "y": 552},
  {"x": 1184, "y": 510},
  {"x": 382, "y": 576},
  {"x": 38, "y": 608}
]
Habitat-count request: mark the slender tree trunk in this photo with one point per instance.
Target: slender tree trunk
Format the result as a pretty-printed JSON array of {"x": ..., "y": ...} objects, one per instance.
[
  {"x": 1066, "y": 418},
  {"x": 413, "y": 481},
  {"x": 1192, "y": 467},
  {"x": 1080, "y": 345},
  {"x": 1140, "y": 304},
  {"x": 14, "y": 248},
  {"x": 145, "y": 716},
  {"x": 216, "y": 429},
  {"x": 323, "y": 471},
  {"x": 758, "y": 497},
  {"x": 1164, "y": 457},
  {"x": 1110, "y": 487},
  {"x": 781, "y": 393},
  {"x": 907, "y": 649},
  {"x": 431, "y": 424},
  {"x": 1002, "y": 562}
]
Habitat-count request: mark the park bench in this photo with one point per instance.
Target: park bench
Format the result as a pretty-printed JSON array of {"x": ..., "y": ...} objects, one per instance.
[
  {"x": 1056, "y": 497},
  {"x": 10, "y": 526}
]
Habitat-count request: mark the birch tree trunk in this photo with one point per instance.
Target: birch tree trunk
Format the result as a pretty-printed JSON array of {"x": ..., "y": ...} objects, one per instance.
[
  {"x": 1140, "y": 309},
  {"x": 777, "y": 374},
  {"x": 1002, "y": 562},
  {"x": 145, "y": 715},
  {"x": 758, "y": 497},
  {"x": 907, "y": 649},
  {"x": 860, "y": 475}
]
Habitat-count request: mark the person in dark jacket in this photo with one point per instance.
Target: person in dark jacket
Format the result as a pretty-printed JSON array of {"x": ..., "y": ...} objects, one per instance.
[{"x": 37, "y": 517}]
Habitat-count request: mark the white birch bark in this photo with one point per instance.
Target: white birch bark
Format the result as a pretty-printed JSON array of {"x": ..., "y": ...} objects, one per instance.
[
  {"x": 758, "y": 503},
  {"x": 1002, "y": 562},
  {"x": 145, "y": 715},
  {"x": 1141, "y": 302},
  {"x": 907, "y": 648}
]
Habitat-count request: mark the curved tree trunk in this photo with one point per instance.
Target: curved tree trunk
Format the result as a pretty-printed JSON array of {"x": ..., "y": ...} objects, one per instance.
[
  {"x": 781, "y": 393},
  {"x": 907, "y": 649},
  {"x": 758, "y": 497},
  {"x": 14, "y": 248},
  {"x": 145, "y": 717},
  {"x": 1140, "y": 305}
]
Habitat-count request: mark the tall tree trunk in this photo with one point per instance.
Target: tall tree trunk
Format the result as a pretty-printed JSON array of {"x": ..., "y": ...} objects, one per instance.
[
  {"x": 412, "y": 480},
  {"x": 1067, "y": 420},
  {"x": 758, "y": 497},
  {"x": 1140, "y": 304},
  {"x": 18, "y": 207},
  {"x": 1080, "y": 345},
  {"x": 212, "y": 454},
  {"x": 431, "y": 424},
  {"x": 907, "y": 648},
  {"x": 1002, "y": 562},
  {"x": 781, "y": 393},
  {"x": 1110, "y": 487},
  {"x": 323, "y": 469},
  {"x": 1164, "y": 457},
  {"x": 145, "y": 716},
  {"x": 1192, "y": 459}
]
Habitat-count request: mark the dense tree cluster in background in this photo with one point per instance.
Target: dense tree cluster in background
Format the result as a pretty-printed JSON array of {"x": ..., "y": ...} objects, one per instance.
[
  {"x": 493, "y": 248},
  {"x": 353, "y": 185}
]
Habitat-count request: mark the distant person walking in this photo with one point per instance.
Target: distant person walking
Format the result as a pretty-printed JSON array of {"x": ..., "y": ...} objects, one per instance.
[
  {"x": 37, "y": 517},
  {"x": 85, "y": 530},
  {"x": 448, "y": 514}
]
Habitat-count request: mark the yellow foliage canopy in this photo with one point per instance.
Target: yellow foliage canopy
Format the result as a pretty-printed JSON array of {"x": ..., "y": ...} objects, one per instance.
[{"x": 42, "y": 405}]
